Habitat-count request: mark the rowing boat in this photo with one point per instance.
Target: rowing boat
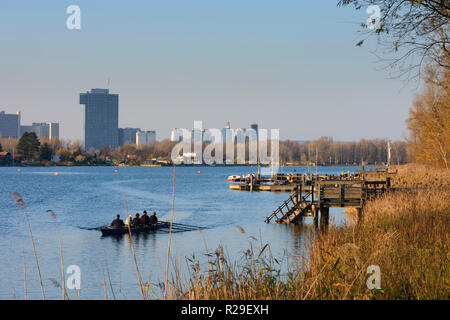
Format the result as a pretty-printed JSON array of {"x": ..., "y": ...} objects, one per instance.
[{"x": 108, "y": 231}]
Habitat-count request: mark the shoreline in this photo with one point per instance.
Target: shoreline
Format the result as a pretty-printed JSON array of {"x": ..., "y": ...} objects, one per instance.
[{"x": 193, "y": 165}]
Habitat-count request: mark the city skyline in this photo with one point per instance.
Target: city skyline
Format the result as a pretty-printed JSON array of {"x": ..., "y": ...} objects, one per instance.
[{"x": 189, "y": 63}]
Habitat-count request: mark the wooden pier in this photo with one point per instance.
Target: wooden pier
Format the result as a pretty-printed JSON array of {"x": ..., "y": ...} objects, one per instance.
[
  {"x": 289, "y": 182},
  {"x": 314, "y": 197}
]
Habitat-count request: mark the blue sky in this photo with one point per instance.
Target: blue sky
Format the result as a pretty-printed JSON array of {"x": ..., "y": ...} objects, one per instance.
[{"x": 291, "y": 65}]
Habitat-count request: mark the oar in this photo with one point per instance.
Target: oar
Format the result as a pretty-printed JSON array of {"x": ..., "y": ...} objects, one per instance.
[
  {"x": 185, "y": 225},
  {"x": 94, "y": 228},
  {"x": 182, "y": 228}
]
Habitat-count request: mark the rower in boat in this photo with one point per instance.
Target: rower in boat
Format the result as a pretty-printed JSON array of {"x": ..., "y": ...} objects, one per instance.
[
  {"x": 145, "y": 219},
  {"x": 129, "y": 221},
  {"x": 117, "y": 223},
  {"x": 136, "y": 223},
  {"x": 153, "y": 219}
]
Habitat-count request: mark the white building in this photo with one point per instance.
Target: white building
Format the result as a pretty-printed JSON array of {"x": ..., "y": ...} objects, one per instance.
[
  {"x": 145, "y": 137},
  {"x": 175, "y": 136}
]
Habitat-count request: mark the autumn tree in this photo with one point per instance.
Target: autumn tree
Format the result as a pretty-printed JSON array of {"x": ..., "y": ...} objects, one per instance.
[{"x": 429, "y": 120}]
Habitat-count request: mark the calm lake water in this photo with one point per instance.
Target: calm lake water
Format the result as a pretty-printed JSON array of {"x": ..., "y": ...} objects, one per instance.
[{"x": 92, "y": 196}]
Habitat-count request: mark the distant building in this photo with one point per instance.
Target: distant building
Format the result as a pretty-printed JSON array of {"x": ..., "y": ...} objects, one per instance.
[
  {"x": 254, "y": 126},
  {"x": 198, "y": 135},
  {"x": 145, "y": 137},
  {"x": 42, "y": 130},
  {"x": 5, "y": 157},
  {"x": 101, "y": 118},
  {"x": 226, "y": 133},
  {"x": 10, "y": 125},
  {"x": 174, "y": 136},
  {"x": 127, "y": 135},
  {"x": 53, "y": 130}
]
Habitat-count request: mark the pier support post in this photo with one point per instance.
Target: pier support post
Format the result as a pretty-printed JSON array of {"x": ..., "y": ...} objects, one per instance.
[
  {"x": 359, "y": 213},
  {"x": 324, "y": 216},
  {"x": 316, "y": 212}
]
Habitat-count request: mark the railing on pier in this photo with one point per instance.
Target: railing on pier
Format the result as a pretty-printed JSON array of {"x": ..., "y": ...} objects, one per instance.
[{"x": 318, "y": 194}]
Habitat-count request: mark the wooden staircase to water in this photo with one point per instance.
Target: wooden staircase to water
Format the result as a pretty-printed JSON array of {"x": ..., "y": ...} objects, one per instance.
[
  {"x": 318, "y": 196},
  {"x": 293, "y": 208}
]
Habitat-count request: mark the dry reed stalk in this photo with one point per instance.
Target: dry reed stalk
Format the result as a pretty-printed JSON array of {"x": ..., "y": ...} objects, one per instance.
[
  {"x": 21, "y": 204},
  {"x": 170, "y": 235},
  {"x": 105, "y": 290},
  {"x": 110, "y": 283},
  {"x": 63, "y": 280},
  {"x": 24, "y": 273},
  {"x": 120, "y": 281},
  {"x": 141, "y": 285}
]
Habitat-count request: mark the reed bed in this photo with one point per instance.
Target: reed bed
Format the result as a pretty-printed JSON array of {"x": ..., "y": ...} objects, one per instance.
[
  {"x": 404, "y": 233},
  {"x": 415, "y": 175}
]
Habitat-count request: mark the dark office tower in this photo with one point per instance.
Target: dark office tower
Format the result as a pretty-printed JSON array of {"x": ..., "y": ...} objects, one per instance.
[{"x": 101, "y": 118}]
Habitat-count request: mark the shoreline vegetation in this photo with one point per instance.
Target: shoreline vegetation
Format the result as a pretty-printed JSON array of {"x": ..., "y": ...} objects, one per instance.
[
  {"x": 404, "y": 233},
  {"x": 31, "y": 151}
]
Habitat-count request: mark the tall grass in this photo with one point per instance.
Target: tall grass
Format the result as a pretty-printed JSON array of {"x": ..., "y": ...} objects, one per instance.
[
  {"x": 404, "y": 233},
  {"x": 63, "y": 280},
  {"x": 21, "y": 204},
  {"x": 421, "y": 176},
  {"x": 170, "y": 235}
]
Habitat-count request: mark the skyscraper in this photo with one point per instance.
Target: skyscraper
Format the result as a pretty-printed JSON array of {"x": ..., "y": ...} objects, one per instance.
[
  {"x": 9, "y": 125},
  {"x": 101, "y": 118}
]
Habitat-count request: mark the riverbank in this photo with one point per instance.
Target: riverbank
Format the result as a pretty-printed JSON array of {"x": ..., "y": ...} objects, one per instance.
[{"x": 405, "y": 234}]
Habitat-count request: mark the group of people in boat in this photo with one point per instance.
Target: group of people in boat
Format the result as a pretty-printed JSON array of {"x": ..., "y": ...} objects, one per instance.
[{"x": 136, "y": 222}]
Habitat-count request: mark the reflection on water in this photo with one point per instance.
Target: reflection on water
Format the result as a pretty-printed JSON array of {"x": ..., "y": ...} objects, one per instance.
[{"x": 91, "y": 196}]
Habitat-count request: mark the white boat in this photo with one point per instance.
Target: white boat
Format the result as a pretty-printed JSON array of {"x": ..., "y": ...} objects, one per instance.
[{"x": 234, "y": 178}]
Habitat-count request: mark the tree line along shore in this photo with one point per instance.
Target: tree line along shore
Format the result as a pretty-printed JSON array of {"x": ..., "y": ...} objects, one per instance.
[{"x": 324, "y": 151}]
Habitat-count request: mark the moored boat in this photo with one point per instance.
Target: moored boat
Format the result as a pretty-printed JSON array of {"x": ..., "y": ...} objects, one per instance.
[{"x": 234, "y": 178}]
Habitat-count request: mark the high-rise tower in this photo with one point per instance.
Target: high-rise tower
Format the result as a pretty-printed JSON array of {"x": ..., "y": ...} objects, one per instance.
[{"x": 101, "y": 118}]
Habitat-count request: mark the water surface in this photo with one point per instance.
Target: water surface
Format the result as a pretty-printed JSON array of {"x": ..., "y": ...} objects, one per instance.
[{"x": 92, "y": 196}]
